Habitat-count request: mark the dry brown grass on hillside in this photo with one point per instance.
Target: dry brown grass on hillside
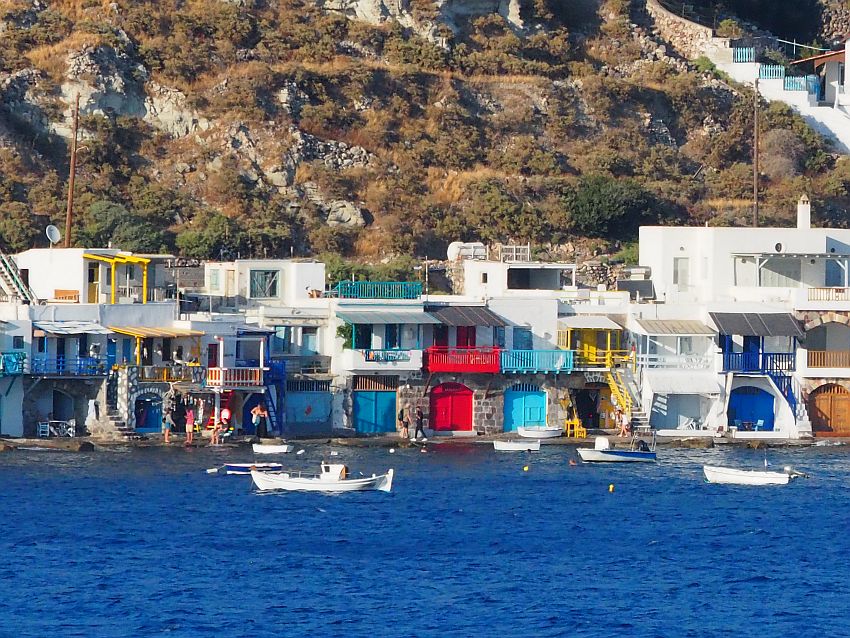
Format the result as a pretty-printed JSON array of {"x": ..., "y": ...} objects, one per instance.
[{"x": 51, "y": 58}]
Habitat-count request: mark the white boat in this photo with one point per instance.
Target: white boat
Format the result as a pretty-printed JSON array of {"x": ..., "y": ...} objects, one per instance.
[
  {"x": 247, "y": 468},
  {"x": 259, "y": 448},
  {"x": 602, "y": 452},
  {"x": 333, "y": 478},
  {"x": 734, "y": 476},
  {"x": 540, "y": 432},
  {"x": 516, "y": 446}
]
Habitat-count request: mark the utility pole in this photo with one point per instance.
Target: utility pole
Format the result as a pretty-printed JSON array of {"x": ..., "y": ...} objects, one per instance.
[
  {"x": 756, "y": 156},
  {"x": 72, "y": 173}
]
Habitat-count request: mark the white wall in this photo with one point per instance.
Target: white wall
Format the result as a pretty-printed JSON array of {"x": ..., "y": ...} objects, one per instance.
[
  {"x": 52, "y": 269},
  {"x": 541, "y": 315}
]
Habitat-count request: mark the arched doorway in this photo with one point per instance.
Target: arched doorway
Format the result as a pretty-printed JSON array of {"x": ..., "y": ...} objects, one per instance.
[
  {"x": 750, "y": 408},
  {"x": 829, "y": 410},
  {"x": 525, "y": 406},
  {"x": 451, "y": 407},
  {"x": 148, "y": 412}
]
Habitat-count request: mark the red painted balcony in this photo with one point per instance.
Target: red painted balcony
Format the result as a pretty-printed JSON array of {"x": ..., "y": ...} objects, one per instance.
[{"x": 442, "y": 359}]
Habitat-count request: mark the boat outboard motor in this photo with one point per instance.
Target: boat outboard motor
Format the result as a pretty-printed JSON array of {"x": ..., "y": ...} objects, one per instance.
[{"x": 642, "y": 446}]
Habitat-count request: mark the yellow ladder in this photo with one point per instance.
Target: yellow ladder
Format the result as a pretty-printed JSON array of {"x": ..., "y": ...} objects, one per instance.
[{"x": 619, "y": 392}]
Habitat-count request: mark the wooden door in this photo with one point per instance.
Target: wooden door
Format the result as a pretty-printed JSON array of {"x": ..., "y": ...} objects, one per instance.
[{"x": 829, "y": 411}]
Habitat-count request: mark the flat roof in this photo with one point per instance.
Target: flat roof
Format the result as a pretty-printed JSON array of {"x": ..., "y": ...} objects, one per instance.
[
  {"x": 681, "y": 327},
  {"x": 794, "y": 254},
  {"x": 592, "y": 322}
]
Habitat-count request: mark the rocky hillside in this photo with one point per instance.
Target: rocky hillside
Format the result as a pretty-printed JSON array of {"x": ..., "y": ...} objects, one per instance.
[{"x": 369, "y": 128}]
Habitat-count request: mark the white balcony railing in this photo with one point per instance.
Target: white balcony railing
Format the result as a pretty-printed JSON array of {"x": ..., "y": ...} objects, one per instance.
[
  {"x": 374, "y": 360},
  {"x": 674, "y": 361}
]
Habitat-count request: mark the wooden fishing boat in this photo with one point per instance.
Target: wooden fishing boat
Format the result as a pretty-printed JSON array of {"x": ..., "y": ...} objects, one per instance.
[
  {"x": 602, "y": 452},
  {"x": 332, "y": 478},
  {"x": 260, "y": 448},
  {"x": 516, "y": 446},
  {"x": 540, "y": 432},
  {"x": 735, "y": 476}
]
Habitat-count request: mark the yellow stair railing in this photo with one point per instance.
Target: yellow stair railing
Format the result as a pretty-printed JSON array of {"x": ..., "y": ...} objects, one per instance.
[{"x": 619, "y": 392}]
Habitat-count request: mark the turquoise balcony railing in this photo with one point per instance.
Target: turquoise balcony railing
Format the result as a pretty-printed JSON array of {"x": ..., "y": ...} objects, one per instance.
[
  {"x": 534, "y": 361},
  {"x": 743, "y": 54},
  {"x": 377, "y": 290},
  {"x": 11, "y": 363}
]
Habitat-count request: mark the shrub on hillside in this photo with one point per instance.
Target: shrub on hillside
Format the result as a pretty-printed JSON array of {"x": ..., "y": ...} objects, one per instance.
[{"x": 602, "y": 206}]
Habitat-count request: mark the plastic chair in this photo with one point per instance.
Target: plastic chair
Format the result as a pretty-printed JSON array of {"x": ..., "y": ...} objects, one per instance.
[
  {"x": 43, "y": 431},
  {"x": 759, "y": 425}
]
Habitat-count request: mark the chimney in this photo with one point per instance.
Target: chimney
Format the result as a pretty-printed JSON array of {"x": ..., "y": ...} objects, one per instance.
[{"x": 804, "y": 212}]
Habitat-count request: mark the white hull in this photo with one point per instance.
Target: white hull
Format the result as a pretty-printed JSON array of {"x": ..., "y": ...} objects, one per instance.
[
  {"x": 289, "y": 482},
  {"x": 540, "y": 432},
  {"x": 259, "y": 448},
  {"x": 589, "y": 455},
  {"x": 733, "y": 476},
  {"x": 516, "y": 446},
  {"x": 246, "y": 468},
  {"x": 686, "y": 434}
]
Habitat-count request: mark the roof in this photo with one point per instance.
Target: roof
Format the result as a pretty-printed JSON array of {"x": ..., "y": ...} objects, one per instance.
[
  {"x": 793, "y": 255},
  {"x": 144, "y": 332},
  {"x": 466, "y": 316},
  {"x": 682, "y": 327},
  {"x": 683, "y": 381},
  {"x": 598, "y": 322},
  {"x": 71, "y": 327},
  {"x": 823, "y": 58},
  {"x": 250, "y": 329},
  {"x": 384, "y": 315},
  {"x": 752, "y": 324}
]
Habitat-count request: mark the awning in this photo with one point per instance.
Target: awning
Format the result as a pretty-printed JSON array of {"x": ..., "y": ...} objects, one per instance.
[
  {"x": 71, "y": 327},
  {"x": 752, "y": 324},
  {"x": 253, "y": 329},
  {"x": 465, "y": 316},
  {"x": 683, "y": 381},
  {"x": 591, "y": 322},
  {"x": 396, "y": 315},
  {"x": 143, "y": 332},
  {"x": 678, "y": 327}
]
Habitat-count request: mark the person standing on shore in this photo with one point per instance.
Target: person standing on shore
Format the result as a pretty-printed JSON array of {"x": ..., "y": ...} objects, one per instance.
[
  {"x": 404, "y": 421},
  {"x": 420, "y": 419},
  {"x": 167, "y": 424},
  {"x": 190, "y": 425}
]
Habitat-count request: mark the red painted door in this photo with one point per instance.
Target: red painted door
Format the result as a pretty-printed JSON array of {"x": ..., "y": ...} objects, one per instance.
[
  {"x": 451, "y": 407},
  {"x": 466, "y": 336}
]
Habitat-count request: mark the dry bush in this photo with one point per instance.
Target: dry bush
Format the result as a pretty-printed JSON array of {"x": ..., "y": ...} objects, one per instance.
[{"x": 51, "y": 58}]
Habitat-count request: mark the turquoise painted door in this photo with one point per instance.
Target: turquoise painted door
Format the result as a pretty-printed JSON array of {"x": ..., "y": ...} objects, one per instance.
[
  {"x": 374, "y": 412},
  {"x": 525, "y": 405}
]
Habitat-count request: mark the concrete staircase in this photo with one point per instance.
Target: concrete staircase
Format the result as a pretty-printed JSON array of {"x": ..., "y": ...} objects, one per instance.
[
  {"x": 12, "y": 282},
  {"x": 112, "y": 427}
]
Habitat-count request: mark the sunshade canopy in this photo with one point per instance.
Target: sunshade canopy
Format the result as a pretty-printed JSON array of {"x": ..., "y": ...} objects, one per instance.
[
  {"x": 592, "y": 322},
  {"x": 466, "y": 316},
  {"x": 144, "y": 332},
  {"x": 395, "y": 315},
  {"x": 71, "y": 327},
  {"x": 753, "y": 324},
  {"x": 679, "y": 327}
]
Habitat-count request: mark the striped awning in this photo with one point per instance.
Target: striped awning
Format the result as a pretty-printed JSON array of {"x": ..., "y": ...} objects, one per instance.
[
  {"x": 71, "y": 327},
  {"x": 465, "y": 316},
  {"x": 383, "y": 315},
  {"x": 679, "y": 327},
  {"x": 756, "y": 324},
  {"x": 144, "y": 332}
]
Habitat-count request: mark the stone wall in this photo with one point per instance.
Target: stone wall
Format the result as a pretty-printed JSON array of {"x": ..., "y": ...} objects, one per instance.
[
  {"x": 81, "y": 391},
  {"x": 689, "y": 39},
  {"x": 836, "y": 20}
]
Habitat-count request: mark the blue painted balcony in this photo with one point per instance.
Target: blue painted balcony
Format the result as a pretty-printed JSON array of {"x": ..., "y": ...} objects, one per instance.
[
  {"x": 759, "y": 362},
  {"x": 376, "y": 290},
  {"x": 69, "y": 366},
  {"x": 537, "y": 361},
  {"x": 11, "y": 363}
]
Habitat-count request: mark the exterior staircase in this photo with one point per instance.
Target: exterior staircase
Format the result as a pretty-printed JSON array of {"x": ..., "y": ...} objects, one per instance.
[
  {"x": 12, "y": 282},
  {"x": 112, "y": 427}
]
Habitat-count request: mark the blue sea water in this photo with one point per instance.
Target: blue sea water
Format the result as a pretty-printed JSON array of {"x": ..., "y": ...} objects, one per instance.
[{"x": 143, "y": 542}]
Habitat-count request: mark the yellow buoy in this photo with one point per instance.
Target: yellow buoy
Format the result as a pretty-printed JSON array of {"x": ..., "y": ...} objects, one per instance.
[
  {"x": 611, "y": 487},
  {"x": 525, "y": 468}
]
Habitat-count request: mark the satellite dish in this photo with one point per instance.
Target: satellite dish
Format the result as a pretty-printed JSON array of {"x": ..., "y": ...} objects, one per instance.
[{"x": 53, "y": 234}]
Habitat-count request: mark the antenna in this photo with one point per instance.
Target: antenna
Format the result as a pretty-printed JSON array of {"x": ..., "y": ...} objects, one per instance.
[{"x": 53, "y": 234}]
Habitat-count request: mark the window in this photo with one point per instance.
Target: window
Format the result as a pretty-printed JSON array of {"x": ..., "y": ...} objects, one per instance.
[
  {"x": 215, "y": 280},
  {"x": 686, "y": 345},
  {"x": 681, "y": 272},
  {"x": 499, "y": 337},
  {"x": 281, "y": 341},
  {"x": 310, "y": 340},
  {"x": 18, "y": 342},
  {"x": 362, "y": 336},
  {"x": 483, "y": 277},
  {"x": 264, "y": 284},
  {"x": 523, "y": 339},
  {"x": 40, "y": 344},
  {"x": 392, "y": 336},
  {"x": 131, "y": 271}
]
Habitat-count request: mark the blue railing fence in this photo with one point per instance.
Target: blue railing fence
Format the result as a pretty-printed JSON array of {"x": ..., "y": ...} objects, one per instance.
[
  {"x": 743, "y": 54},
  {"x": 377, "y": 290},
  {"x": 69, "y": 366},
  {"x": 537, "y": 360}
]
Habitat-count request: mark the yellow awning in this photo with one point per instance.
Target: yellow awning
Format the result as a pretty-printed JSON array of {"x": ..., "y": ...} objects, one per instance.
[
  {"x": 117, "y": 259},
  {"x": 143, "y": 332}
]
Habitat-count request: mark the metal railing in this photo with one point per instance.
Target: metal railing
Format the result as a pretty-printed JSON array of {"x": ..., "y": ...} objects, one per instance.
[
  {"x": 743, "y": 54},
  {"x": 443, "y": 359},
  {"x": 760, "y": 362},
  {"x": 234, "y": 377},
  {"x": 169, "y": 373},
  {"x": 376, "y": 290},
  {"x": 602, "y": 358},
  {"x": 794, "y": 83},
  {"x": 828, "y": 358},
  {"x": 385, "y": 356},
  {"x": 682, "y": 361},
  {"x": 771, "y": 71},
  {"x": 69, "y": 366},
  {"x": 828, "y": 294},
  {"x": 533, "y": 361}
]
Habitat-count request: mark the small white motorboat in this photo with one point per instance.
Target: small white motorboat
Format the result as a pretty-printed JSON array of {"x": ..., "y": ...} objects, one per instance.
[
  {"x": 516, "y": 446},
  {"x": 260, "y": 448},
  {"x": 734, "y": 476},
  {"x": 332, "y": 478},
  {"x": 247, "y": 468},
  {"x": 602, "y": 452},
  {"x": 540, "y": 432}
]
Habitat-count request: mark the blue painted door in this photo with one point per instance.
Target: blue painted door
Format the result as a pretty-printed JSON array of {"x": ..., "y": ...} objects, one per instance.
[
  {"x": 111, "y": 353},
  {"x": 374, "y": 411},
  {"x": 748, "y": 405},
  {"x": 148, "y": 411},
  {"x": 309, "y": 408},
  {"x": 525, "y": 405},
  {"x": 127, "y": 351}
]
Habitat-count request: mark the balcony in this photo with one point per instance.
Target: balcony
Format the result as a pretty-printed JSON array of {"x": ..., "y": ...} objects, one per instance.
[
  {"x": 537, "y": 361},
  {"x": 837, "y": 298},
  {"x": 602, "y": 359},
  {"x": 443, "y": 359},
  {"x": 232, "y": 378},
  {"x": 376, "y": 290},
  {"x": 828, "y": 358},
  {"x": 381, "y": 360},
  {"x": 11, "y": 363},
  {"x": 675, "y": 361},
  {"x": 69, "y": 366},
  {"x": 759, "y": 362},
  {"x": 171, "y": 374}
]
